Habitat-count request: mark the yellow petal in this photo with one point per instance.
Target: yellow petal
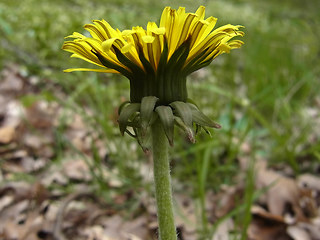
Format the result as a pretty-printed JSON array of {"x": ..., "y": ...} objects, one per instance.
[
  {"x": 76, "y": 35},
  {"x": 126, "y": 48},
  {"x": 224, "y": 48},
  {"x": 201, "y": 12},
  {"x": 150, "y": 27},
  {"x": 107, "y": 44},
  {"x": 159, "y": 31},
  {"x": 197, "y": 32},
  {"x": 211, "y": 22},
  {"x": 89, "y": 70},
  {"x": 148, "y": 39},
  {"x": 81, "y": 49},
  {"x": 127, "y": 32},
  {"x": 96, "y": 60},
  {"x": 96, "y": 32},
  {"x": 184, "y": 28},
  {"x": 164, "y": 16},
  {"x": 105, "y": 27}
]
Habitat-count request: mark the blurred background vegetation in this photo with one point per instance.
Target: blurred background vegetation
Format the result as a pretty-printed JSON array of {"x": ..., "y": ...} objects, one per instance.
[{"x": 265, "y": 95}]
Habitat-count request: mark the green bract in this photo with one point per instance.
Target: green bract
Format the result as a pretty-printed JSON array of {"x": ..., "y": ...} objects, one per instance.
[{"x": 140, "y": 116}]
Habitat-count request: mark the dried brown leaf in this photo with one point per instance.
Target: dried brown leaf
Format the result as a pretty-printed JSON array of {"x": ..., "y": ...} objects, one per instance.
[
  {"x": 186, "y": 215},
  {"x": 312, "y": 228},
  {"x": 5, "y": 201},
  {"x": 282, "y": 191},
  {"x": 298, "y": 233},
  {"x": 40, "y": 115},
  {"x": 264, "y": 214},
  {"x": 309, "y": 181},
  {"x": 55, "y": 177},
  {"x": 14, "y": 113},
  {"x": 136, "y": 229},
  {"x": 7, "y": 134},
  {"x": 12, "y": 82},
  {"x": 223, "y": 230},
  {"x": 264, "y": 229},
  {"x": 228, "y": 199},
  {"x": 77, "y": 170},
  {"x": 95, "y": 232}
]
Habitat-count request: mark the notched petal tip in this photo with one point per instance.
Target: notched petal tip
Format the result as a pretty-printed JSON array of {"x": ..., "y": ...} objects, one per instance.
[
  {"x": 148, "y": 39},
  {"x": 126, "y": 48},
  {"x": 159, "y": 31},
  {"x": 107, "y": 44},
  {"x": 224, "y": 48}
]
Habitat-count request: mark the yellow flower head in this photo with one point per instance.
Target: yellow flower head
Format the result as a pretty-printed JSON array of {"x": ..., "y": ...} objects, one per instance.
[
  {"x": 183, "y": 43},
  {"x": 157, "y": 59}
]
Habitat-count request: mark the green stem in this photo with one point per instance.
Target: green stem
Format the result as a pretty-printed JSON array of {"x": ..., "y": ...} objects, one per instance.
[{"x": 167, "y": 229}]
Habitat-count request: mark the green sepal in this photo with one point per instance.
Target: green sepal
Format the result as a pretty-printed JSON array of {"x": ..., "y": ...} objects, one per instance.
[
  {"x": 111, "y": 65},
  {"x": 146, "y": 64},
  {"x": 163, "y": 58},
  {"x": 147, "y": 106},
  {"x": 166, "y": 117},
  {"x": 197, "y": 67},
  {"x": 179, "y": 56},
  {"x": 143, "y": 140},
  {"x": 199, "y": 128},
  {"x": 125, "y": 115},
  {"x": 161, "y": 71},
  {"x": 135, "y": 123},
  {"x": 122, "y": 106},
  {"x": 128, "y": 63},
  {"x": 201, "y": 119},
  {"x": 189, "y": 100},
  {"x": 195, "y": 61},
  {"x": 188, "y": 130},
  {"x": 154, "y": 117},
  {"x": 207, "y": 131},
  {"x": 130, "y": 134},
  {"x": 183, "y": 111}
]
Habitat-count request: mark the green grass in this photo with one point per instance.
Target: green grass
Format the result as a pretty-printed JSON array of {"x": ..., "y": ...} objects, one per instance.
[{"x": 259, "y": 93}]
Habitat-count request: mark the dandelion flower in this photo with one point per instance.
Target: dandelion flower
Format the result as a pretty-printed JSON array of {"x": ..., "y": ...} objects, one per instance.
[{"x": 157, "y": 61}]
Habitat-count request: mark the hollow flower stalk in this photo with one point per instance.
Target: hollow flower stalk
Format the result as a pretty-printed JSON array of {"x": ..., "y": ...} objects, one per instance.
[{"x": 157, "y": 61}]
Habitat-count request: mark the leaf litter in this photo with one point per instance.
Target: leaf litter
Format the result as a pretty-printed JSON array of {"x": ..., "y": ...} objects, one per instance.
[{"x": 36, "y": 201}]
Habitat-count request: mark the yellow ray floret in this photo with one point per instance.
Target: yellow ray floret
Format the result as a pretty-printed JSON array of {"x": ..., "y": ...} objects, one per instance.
[{"x": 185, "y": 39}]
